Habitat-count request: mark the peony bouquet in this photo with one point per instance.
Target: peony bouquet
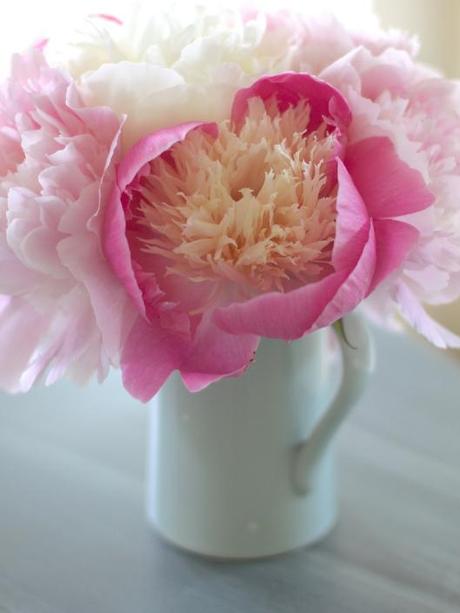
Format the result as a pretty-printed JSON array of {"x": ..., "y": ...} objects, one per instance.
[{"x": 174, "y": 188}]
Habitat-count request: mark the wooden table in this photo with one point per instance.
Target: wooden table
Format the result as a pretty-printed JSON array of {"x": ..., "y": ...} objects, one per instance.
[{"x": 73, "y": 538}]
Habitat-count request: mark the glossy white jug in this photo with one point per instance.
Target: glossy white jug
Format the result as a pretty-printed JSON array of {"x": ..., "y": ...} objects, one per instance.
[{"x": 245, "y": 469}]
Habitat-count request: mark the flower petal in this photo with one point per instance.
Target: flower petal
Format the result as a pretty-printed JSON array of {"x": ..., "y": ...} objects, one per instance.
[
  {"x": 20, "y": 330},
  {"x": 154, "y": 144},
  {"x": 393, "y": 240},
  {"x": 290, "y": 88},
  {"x": 215, "y": 354},
  {"x": 290, "y": 315},
  {"x": 414, "y": 313},
  {"x": 389, "y": 187},
  {"x": 115, "y": 243},
  {"x": 137, "y": 91},
  {"x": 356, "y": 286},
  {"x": 277, "y": 315},
  {"x": 113, "y": 312},
  {"x": 352, "y": 218},
  {"x": 149, "y": 356}
]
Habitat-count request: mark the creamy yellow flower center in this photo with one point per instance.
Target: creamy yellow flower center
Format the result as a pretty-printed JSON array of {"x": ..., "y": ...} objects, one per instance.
[{"x": 255, "y": 207}]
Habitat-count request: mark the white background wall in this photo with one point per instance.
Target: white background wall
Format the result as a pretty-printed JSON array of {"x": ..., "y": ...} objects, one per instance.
[{"x": 437, "y": 22}]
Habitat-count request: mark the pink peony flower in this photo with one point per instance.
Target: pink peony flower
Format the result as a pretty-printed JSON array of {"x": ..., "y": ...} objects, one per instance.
[
  {"x": 272, "y": 223},
  {"x": 276, "y": 171},
  {"x": 411, "y": 105},
  {"x": 62, "y": 311}
]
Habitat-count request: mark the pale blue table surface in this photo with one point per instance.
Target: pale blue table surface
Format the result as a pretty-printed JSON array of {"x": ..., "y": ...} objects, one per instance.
[{"x": 73, "y": 537}]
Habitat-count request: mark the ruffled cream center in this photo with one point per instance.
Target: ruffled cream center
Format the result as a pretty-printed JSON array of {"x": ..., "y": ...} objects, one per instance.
[{"x": 256, "y": 207}]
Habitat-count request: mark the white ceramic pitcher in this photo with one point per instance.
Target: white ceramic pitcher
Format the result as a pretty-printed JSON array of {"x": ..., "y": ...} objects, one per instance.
[{"x": 245, "y": 469}]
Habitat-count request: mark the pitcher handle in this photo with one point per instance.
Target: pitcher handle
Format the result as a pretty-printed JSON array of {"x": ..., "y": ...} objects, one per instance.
[{"x": 357, "y": 351}]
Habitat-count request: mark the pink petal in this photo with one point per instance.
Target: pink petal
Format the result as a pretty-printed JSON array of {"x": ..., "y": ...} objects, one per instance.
[
  {"x": 290, "y": 315},
  {"x": 277, "y": 315},
  {"x": 356, "y": 286},
  {"x": 16, "y": 278},
  {"x": 115, "y": 243},
  {"x": 215, "y": 354},
  {"x": 290, "y": 88},
  {"x": 393, "y": 240},
  {"x": 65, "y": 349},
  {"x": 112, "y": 311},
  {"x": 352, "y": 218},
  {"x": 414, "y": 313},
  {"x": 101, "y": 120},
  {"x": 153, "y": 145},
  {"x": 389, "y": 187},
  {"x": 384, "y": 77},
  {"x": 149, "y": 356},
  {"x": 21, "y": 328},
  {"x": 108, "y": 17},
  {"x": 41, "y": 43}
]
